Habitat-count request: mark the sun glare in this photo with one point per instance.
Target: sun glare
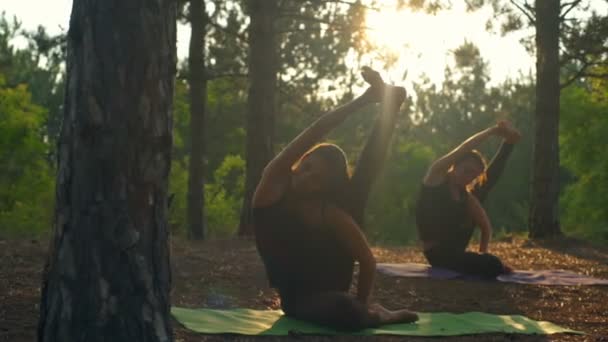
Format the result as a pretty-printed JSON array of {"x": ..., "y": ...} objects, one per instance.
[{"x": 420, "y": 43}]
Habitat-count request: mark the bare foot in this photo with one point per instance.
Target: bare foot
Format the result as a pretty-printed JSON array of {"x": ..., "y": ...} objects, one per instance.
[
  {"x": 375, "y": 92},
  {"x": 372, "y": 77},
  {"x": 393, "y": 317},
  {"x": 379, "y": 91}
]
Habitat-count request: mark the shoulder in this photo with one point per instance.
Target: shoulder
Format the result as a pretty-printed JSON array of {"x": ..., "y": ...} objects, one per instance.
[
  {"x": 433, "y": 189},
  {"x": 270, "y": 189}
]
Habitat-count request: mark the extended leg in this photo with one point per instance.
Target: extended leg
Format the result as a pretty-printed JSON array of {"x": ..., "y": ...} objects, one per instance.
[
  {"x": 484, "y": 265},
  {"x": 372, "y": 157}
]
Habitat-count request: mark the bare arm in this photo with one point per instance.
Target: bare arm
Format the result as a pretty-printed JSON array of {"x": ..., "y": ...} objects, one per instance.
[
  {"x": 275, "y": 177},
  {"x": 438, "y": 170},
  {"x": 349, "y": 233},
  {"x": 481, "y": 220},
  {"x": 495, "y": 169},
  {"x": 511, "y": 137}
]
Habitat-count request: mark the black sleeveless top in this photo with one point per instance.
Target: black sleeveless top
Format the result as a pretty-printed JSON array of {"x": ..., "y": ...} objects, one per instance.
[
  {"x": 445, "y": 221},
  {"x": 299, "y": 258},
  {"x": 441, "y": 220}
]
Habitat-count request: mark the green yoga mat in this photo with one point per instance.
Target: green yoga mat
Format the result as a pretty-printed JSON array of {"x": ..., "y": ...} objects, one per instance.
[{"x": 272, "y": 322}]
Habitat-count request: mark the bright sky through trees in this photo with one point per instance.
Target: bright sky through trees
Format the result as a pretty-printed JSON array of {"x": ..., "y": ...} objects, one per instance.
[{"x": 420, "y": 43}]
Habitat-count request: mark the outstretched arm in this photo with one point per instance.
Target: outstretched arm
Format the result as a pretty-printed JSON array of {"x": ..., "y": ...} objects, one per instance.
[
  {"x": 481, "y": 220},
  {"x": 373, "y": 156},
  {"x": 495, "y": 169},
  {"x": 438, "y": 170},
  {"x": 498, "y": 163},
  {"x": 276, "y": 174}
]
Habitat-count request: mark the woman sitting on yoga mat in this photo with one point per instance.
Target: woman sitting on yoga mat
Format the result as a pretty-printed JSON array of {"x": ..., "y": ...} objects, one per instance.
[
  {"x": 307, "y": 211},
  {"x": 449, "y": 206}
]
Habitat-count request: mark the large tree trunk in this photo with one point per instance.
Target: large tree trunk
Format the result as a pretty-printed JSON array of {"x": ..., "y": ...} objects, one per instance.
[
  {"x": 263, "y": 68},
  {"x": 198, "y": 93},
  {"x": 543, "y": 216},
  {"x": 107, "y": 277}
]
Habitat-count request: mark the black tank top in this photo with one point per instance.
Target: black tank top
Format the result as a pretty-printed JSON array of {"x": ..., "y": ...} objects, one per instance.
[
  {"x": 300, "y": 258},
  {"x": 441, "y": 220}
]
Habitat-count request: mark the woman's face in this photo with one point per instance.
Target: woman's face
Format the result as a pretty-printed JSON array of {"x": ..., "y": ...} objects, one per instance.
[
  {"x": 466, "y": 171},
  {"x": 311, "y": 176}
]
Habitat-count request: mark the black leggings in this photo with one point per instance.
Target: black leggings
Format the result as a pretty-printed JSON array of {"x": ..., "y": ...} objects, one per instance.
[
  {"x": 337, "y": 309},
  {"x": 484, "y": 265}
]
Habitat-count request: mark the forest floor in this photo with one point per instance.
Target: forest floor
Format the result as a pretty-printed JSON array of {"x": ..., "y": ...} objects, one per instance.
[{"x": 229, "y": 273}]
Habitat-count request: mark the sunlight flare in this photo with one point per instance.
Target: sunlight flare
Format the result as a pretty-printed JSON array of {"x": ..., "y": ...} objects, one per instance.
[{"x": 415, "y": 43}]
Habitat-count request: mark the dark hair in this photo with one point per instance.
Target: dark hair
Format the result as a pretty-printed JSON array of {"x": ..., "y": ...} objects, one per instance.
[
  {"x": 479, "y": 158},
  {"x": 475, "y": 155},
  {"x": 337, "y": 164}
]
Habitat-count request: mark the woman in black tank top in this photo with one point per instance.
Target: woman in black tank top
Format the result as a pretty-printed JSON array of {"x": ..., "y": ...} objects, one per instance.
[
  {"x": 448, "y": 205},
  {"x": 307, "y": 211}
]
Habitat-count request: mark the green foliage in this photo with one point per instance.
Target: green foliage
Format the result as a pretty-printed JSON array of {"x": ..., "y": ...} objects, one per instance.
[
  {"x": 507, "y": 204},
  {"x": 39, "y": 65},
  {"x": 465, "y": 104},
  {"x": 178, "y": 190},
  {"x": 225, "y": 142},
  {"x": 223, "y": 196},
  {"x": 224, "y": 128},
  {"x": 391, "y": 212},
  {"x": 583, "y": 127},
  {"x": 31, "y": 94},
  {"x": 314, "y": 38},
  {"x": 26, "y": 184},
  {"x": 439, "y": 119}
]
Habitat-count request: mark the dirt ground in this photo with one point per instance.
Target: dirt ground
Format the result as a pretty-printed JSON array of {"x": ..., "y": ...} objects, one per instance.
[{"x": 228, "y": 273}]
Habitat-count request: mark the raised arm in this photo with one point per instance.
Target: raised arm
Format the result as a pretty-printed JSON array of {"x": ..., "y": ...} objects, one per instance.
[
  {"x": 499, "y": 161},
  {"x": 495, "y": 169},
  {"x": 481, "y": 220},
  {"x": 438, "y": 170},
  {"x": 350, "y": 235},
  {"x": 275, "y": 176}
]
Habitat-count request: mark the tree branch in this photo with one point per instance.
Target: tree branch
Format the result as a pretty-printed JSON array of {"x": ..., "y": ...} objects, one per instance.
[
  {"x": 571, "y": 5},
  {"x": 298, "y": 16},
  {"x": 238, "y": 35},
  {"x": 584, "y": 74},
  {"x": 576, "y": 76},
  {"x": 212, "y": 76},
  {"x": 340, "y": 29},
  {"x": 526, "y": 10},
  {"x": 329, "y": 24}
]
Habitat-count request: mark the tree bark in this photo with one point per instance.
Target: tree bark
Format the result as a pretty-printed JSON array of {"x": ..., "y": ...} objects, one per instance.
[
  {"x": 107, "y": 276},
  {"x": 198, "y": 94},
  {"x": 543, "y": 215},
  {"x": 263, "y": 67}
]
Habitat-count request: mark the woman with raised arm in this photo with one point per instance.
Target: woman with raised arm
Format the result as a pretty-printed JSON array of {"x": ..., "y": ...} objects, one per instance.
[
  {"x": 448, "y": 205},
  {"x": 307, "y": 214}
]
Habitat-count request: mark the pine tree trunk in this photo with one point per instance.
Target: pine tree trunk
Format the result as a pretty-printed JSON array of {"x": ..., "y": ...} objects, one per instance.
[
  {"x": 263, "y": 68},
  {"x": 543, "y": 216},
  {"x": 107, "y": 277},
  {"x": 198, "y": 93}
]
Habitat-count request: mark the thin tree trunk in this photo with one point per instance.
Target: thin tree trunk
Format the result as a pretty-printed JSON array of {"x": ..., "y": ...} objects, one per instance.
[
  {"x": 543, "y": 216},
  {"x": 107, "y": 277},
  {"x": 198, "y": 94},
  {"x": 263, "y": 68}
]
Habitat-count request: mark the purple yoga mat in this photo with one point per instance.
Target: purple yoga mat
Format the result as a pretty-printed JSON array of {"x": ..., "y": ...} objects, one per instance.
[{"x": 542, "y": 277}]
